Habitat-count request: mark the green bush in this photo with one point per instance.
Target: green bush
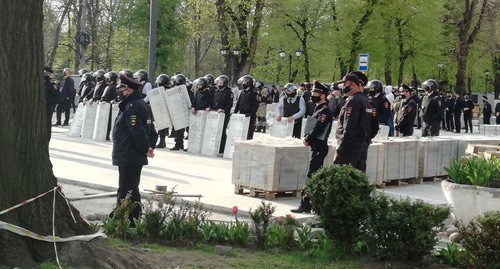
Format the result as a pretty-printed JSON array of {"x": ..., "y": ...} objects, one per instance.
[
  {"x": 261, "y": 218},
  {"x": 476, "y": 171},
  {"x": 340, "y": 195},
  {"x": 482, "y": 241},
  {"x": 397, "y": 225}
]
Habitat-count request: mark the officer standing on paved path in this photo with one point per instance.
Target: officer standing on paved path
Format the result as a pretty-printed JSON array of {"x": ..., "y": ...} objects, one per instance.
[
  {"x": 223, "y": 102},
  {"x": 449, "y": 103},
  {"x": 131, "y": 145},
  {"x": 354, "y": 128},
  {"x": 317, "y": 132},
  {"x": 248, "y": 102},
  {"x": 457, "y": 112},
  {"x": 293, "y": 106},
  {"x": 487, "y": 111},
  {"x": 468, "y": 106},
  {"x": 432, "y": 109},
  {"x": 406, "y": 113},
  {"x": 162, "y": 80},
  {"x": 67, "y": 96}
]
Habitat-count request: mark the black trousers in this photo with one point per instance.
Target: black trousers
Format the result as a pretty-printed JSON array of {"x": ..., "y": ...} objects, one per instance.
[
  {"x": 498, "y": 120},
  {"x": 224, "y": 133},
  {"x": 297, "y": 128},
  {"x": 63, "y": 106},
  {"x": 468, "y": 121},
  {"x": 179, "y": 138},
  {"x": 356, "y": 156},
  {"x": 458, "y": 124},
  {"x": 431, "y": 128},
  {"x": 449, "y": 121},
  {"x": 50, "y": 112},
  {"x": 251, "y": 127},
  {"x": 128, "y": 181},
  {"x": 317, "y": 156},
  {"x": 486, "y": 119}
]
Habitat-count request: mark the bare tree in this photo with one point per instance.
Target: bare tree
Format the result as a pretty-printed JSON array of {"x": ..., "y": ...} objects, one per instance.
[{"x": 66, "y": 7}]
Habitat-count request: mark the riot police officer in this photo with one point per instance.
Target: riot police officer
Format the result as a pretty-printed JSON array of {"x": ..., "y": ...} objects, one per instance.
[
  {"x": 100, "y": 85},
  {"x": 262, "y": 95},
  {"x": 180, "y": 79},
  {"x": 293, "y": 106},
  {"x": 142, "y": 77},
  {"x": 111, "y": 92},
  {"x": 162, "y": 80},
  {"x": 317, "y": 131},
  {"x": 380, "y": 102},
  {"x": 223, "y": 102},
  {"x": 432, "y": 109},
  {"x": 406, "y": 113},
  {"x": 468, "y": 106},
  {"x": 87, "y": 90},
  {"x": 203, "y": 98},
  {"x": 247, "y": 102},
  {"x": 211, "y": 82}
]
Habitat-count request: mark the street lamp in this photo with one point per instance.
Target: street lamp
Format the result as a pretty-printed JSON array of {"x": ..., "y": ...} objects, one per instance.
[
  {"x": 486, "y": 74},
  {"x": 282, "y": 54},
  {"x": 440, "y": 66}
]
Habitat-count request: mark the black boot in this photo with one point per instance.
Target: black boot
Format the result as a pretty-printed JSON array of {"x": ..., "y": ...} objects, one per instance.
[
  {"x": 305, "y": 206},
  {"x": 161, "y": 144}
]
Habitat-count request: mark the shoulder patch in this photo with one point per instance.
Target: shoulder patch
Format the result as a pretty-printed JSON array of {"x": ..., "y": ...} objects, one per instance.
[
  {"x": 440, "y": 103},
  {"x": 386, "y": 104},
  {"x": 133, "y": 120},
  {"x": 348, "y": 111},
  {"x": 322, "y": 117}
]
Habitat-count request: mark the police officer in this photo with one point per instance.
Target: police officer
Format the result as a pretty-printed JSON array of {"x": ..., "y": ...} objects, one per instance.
[
  {"x": 87, "y": 90},
  {"x": 211, "y": 83},
  {"x": 248, "y": 102},
  {"x": 203, "y": 98},
  {"x": 262, "y": 95},
  {"x": 432, "y": 109},
  {"x": 468, "y": 106},
  {"x": 141, "y": 76},
  {"x": 131, "y": 145},
  {"x": 110, "y": 95},
  {"x": 100, "y": 85},
  {"x": 457, "y": 112},
  {"x": 223, "y": 102},
  {"x": 406, "y": 113},
  {"x": 449, "y": 103},
  {"x": 487, "y": 111},
  {"x": 497, "y": 112},
  {"x": 317, "y": 131},
  {"x": 180, "y": 79},
  {"x": 354, "y": 128},
  {"x": 380, "y": 102},
  {"x": 293, "y": 106},
  {"x": 162, "y": 80},
  {"x": 51, "y": 97}
]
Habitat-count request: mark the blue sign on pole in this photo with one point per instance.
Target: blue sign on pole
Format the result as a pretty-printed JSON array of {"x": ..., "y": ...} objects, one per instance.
[{"x": 363, "y": 62}]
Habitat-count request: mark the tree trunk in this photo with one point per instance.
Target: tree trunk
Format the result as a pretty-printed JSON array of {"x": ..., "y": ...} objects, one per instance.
[
  {"x": 25, "y": 168},
  {"x": 356, "y": 34},
  {"x": 57, "y": 34},
  {"x": 81, "y": 15}
]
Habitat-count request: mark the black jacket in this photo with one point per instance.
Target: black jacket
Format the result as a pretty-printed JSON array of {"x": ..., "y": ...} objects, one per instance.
[
  {"x": 432, "y": 108},
  {"x": 99, "y": 90},
  {"x": 110, "y": 93},
  {"x": 247, "y": 103},
  {"x": 354, "y": 128},
  {"x": 51, "y": 94},
  {"x": 382, "y": 108},
  {"x": 68, "y": 89},
  {"x": 406, "y": 117},
  {"x": 487, "y": 111},
  {"x": 203, "y": 100},
  {"x": 321, "y": 131},
  {"x": 130, "y": 133},
  {"x": 223, "y": 99}
]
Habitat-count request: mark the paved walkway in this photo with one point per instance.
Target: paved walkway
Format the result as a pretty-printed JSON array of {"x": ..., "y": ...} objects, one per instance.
[{"x": 87, "y": 163}]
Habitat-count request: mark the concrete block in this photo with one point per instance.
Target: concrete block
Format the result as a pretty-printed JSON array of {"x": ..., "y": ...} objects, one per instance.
[
  {"x": 435, "y": 154},
  {"x": 400, "y": 158},
  {"x": 237, "y": 130}
]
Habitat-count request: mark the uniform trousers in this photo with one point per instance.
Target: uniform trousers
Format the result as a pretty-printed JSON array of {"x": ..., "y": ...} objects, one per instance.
[
  {"x": 128, "y": 181},
  {"x": 317, "y": 156},
  {"x": 431, "y": 128},
  {"x": 449, "y": 121},
  {"x": 458, "y": 124},
  {"x": 297, "y": 128},
  {"x": 468, "y": 121},
  {"x": 355, "y": 156}
]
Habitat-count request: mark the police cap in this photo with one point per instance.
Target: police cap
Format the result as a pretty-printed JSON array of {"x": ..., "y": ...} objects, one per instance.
[
  {"x": 320, "y": 87},
  {"x": 128, "y": 82}
]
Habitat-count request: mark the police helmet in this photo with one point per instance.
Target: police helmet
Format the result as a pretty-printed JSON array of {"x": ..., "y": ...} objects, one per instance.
[
  {"x": 141, "y": 75},
  {"x": 87, "y": 77},
  {"x": 179, "y": 79},
  {"x": 290, "y": 88},
  {"x": 189, "y": 84},
  {"x": 210, "y": 78},
  {"x": 127, "y": 73},
  {"x": 82, "y": 71},
  {"x": 375, "y": 85},
  {"x": 111, "y": 76},
  {"x": 98, "y": 75},
  {"x": 259, "y": 84},
  {"x": 201, "y": 83},
  {"x": 246, "y": 81},
  {"x": 163, "y": 80},
  {"x": 222, "y": 81},
  {"x": 430, "y": 85}
]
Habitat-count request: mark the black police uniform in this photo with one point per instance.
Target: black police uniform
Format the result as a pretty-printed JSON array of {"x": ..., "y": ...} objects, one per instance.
[
  {"x": 203, "y": 99},
  {"x": 247, "y": 104},
  {"x": 382, "y": 108},
  {"x": 449, "y": 103},
  {"x": 487, "y": 112},
  {"x": 406, "y": 117},
  {"x": 51, "y": 100},
  {"x": 223, "y": 99},
  {"x": 457, "y": 113},
  {"x": 468, "y": 114},
  {"x": 354, "y": 131},
  {"x": 66, "y": 98},
  {"x": 497, "y": 113},
  {"x": 99, "y": 90},
  {"x": 87, "y": 91},
  {"x": 130, "y": 146},
  {"x": 432, "y": 114},
  {"x": 317, "y": 137}
]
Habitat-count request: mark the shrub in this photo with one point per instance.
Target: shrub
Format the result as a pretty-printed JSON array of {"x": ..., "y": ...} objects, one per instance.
[
  {"x": 340, "y": 195},
  {"x": 183, "y": 221},
  {"x": 397, "y": 225},
  {"x": 119, "y": 224},
  {"x": 476, "y": 171},
  {"x": 261, "y": 217},
  {"x": 152, "y": 220},
  {"x": 482, "y": 241}
]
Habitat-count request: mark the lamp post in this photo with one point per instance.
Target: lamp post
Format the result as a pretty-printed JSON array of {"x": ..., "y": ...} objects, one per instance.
[
  {"x": 486, "y": 74},
  {"x": 440, "y": 66},
  {"x": 282, "y": 54},
  {"x": 229, "y": 58}
]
